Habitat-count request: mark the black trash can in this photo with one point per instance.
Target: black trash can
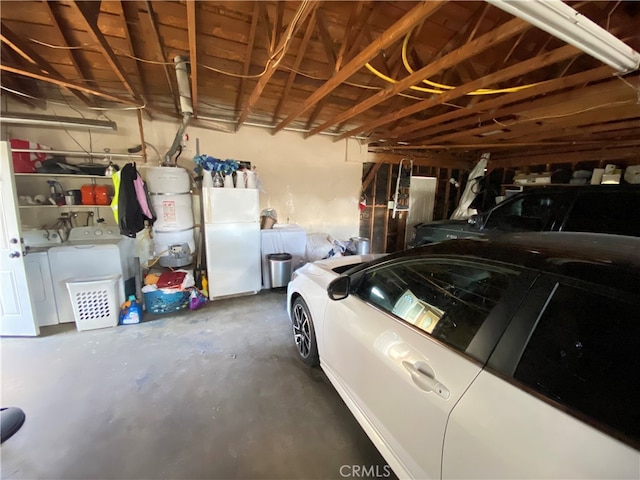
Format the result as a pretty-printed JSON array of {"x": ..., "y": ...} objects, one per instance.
[{"x": 279, "y": 269}]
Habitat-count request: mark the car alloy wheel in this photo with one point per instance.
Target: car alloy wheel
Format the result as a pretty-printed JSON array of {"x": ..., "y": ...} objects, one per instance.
[{"x": 303, "y": 333}]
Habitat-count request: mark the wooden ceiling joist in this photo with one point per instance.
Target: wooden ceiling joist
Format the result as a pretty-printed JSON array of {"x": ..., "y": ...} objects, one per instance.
[
  {"x": 327, "y": 41},
  {"x": 442, "y": 123},
  {"x": 248, "y": 55},
  {"x": 348, "y": 32},
  {"x": 26, "y": 52},
  {"x": 272, "y": 65},
  {"x": 438, "y": 160},
  {"x": 550, "y": 130},
  {"x": 600, "y": 154},
  {"x": 62, "y": 32},
  {"x": 296, "y": 65},
  {"x": 560, "y": 104},
  {"x": 160, "y": 55},
  {"x": 64, "y": 83},
  {"x": 510, "y": 146},
  {"x": 193, "y": 55},
  {"x": 508, "y": 73},
  {"x": 108, "y": 52},
  {"x": 89, "y": 19},
  {"x": 10, "y": 83},
  {"x": 132, "y": 51},
  {"x": 478, "y": 21},
  {"x": 467, "y": 51},
  {"x": 359, "y": 27},
  {"x": 390, "y": 36},
  {"x": 277, "y": 24}
]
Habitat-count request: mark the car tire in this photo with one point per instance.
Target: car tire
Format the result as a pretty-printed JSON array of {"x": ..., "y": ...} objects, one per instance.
[{"x": 304, "y": 335}]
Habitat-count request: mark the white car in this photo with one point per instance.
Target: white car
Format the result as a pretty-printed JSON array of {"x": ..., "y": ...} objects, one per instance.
[{"x": 509, "y": 358}]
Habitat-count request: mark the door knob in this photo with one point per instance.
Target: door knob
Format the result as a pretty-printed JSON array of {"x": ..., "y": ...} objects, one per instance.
[
  {"x": 14, "y": 255},
  {"x": 13, "y": 240}
]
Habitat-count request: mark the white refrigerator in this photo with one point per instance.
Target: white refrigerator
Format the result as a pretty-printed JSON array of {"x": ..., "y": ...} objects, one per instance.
[{"x": 232, "y": 239}]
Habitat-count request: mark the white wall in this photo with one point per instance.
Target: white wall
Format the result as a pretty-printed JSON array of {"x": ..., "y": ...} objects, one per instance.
[{"x": 314, "y": 183}]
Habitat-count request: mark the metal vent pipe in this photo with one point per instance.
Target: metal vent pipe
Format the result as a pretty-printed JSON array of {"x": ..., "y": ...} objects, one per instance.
[{"x": 186, "y": 107}]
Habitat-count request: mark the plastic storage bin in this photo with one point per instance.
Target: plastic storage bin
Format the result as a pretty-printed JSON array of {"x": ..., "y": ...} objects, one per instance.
[
  {"x": 160, "y": 301},
  {"x": 279, "y": 269},
  {"x": 94, "y": 301}
]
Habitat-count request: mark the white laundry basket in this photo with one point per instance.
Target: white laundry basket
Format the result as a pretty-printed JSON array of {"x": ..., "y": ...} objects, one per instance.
[{"x": 94, "y": 301}]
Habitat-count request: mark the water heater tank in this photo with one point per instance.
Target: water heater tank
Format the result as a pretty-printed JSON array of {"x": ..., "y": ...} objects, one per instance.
[{"x": 170, "y": 192}]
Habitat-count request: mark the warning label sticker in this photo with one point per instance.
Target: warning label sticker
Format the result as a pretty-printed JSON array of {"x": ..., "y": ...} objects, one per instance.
[{"x": 169, "y": 213}]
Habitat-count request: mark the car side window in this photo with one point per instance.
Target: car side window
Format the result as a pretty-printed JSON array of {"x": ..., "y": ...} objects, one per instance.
[
  {"x": 529, "y": 213},
  {"x": 448, "y": 300},
  {"x": 605, "y": 212},
  {"x": 584, "y": 354}
]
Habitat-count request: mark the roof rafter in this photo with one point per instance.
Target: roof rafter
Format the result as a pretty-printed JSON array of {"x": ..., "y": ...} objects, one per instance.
[
  {"x": 88, "y": 18},
  {"x": 489, "y": 106},
  {"x": 599, "y": 154},
  {"x": 438, "y": 160},
  {"x": 26, "y": 52},
  {"x": 132, "y": 50},
  {"x": 468, "y": 50},
  {"x": 585, "y": 99},
  {"x": 193, "y": 53},
  {"x": 272, "y": 65},
  {"x": 248, "y": 54},
  {"x": 550, "y": 130},
  {"x": 64, "y": 83},
  {"x": 83, "y": 72},
  {"x": 292, "y": 75},
  {"x": 277, "y": 24},
  {"x": 521, "y": 68},
  {"x": 327, "y": 41},
  {"x": 353, "y": 18},
  {"x": 388, "y": 37},
  {"x": 160, "y": 55}
]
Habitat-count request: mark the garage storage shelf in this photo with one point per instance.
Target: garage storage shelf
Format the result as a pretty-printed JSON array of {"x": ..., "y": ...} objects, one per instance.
[
  {"x": 62, "y": 176},
  {"x": 74, "y": 207}
]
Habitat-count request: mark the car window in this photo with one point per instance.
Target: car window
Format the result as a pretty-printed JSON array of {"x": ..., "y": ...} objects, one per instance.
[
  {"x": 605, "y": 212},
  {"x": 449, "y": 300},
  {"x": 529, "y": 213},
  {"x": 584, "y": 354}
]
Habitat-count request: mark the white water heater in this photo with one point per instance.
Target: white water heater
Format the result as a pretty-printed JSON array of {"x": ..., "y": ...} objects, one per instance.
[{"x": 173, "y": 231}]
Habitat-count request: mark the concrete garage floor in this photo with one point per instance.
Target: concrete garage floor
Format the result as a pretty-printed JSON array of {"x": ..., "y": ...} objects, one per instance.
[{"x": 216, "y": 393}]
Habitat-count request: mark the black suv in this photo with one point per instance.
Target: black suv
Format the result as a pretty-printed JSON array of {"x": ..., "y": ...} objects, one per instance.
[{"x": 611, "y": 209}]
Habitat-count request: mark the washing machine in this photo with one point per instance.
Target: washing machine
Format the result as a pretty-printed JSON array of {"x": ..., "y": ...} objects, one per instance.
[
  {"x": 40, "y": 281},
  {"x": 92, "y": 252}
]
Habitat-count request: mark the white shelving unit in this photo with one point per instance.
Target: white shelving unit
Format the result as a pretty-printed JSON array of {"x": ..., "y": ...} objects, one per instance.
[{"x": 38, "y": 215}]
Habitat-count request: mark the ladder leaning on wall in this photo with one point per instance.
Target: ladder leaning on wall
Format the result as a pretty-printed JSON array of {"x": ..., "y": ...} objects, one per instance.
[{"x": 401, "y": 200}]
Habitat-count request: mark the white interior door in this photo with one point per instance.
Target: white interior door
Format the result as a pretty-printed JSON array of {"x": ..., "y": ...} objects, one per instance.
[{"x": 16, "y": 309}]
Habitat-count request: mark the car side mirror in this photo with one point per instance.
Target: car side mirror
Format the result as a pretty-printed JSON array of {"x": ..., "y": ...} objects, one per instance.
[
  {"x": 339, "y": 288},
  {"x": 475, "y": 221}
]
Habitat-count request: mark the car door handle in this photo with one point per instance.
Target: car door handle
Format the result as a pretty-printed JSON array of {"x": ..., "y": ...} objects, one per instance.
[{"x": 426, "y": 381}]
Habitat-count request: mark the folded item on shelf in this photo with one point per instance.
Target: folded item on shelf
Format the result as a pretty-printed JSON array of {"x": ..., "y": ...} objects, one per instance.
[
  {"x": 151, "y": 279},
  {"x": 171, "y": 279}
]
